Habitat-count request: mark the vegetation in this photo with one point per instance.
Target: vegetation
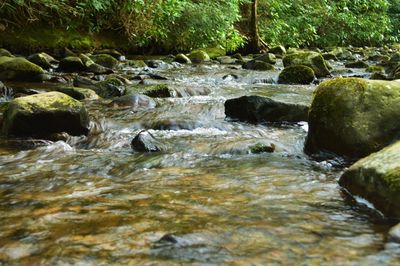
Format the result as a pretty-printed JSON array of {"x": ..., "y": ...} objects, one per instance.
[{"x": 181, "y": 25}]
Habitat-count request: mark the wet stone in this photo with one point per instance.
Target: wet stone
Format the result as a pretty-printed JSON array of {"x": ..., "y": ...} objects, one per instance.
[{"x": 145, "y": 142}]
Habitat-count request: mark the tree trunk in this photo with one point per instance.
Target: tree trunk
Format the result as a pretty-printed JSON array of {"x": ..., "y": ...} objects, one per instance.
[{"x": 254, "y": 38}]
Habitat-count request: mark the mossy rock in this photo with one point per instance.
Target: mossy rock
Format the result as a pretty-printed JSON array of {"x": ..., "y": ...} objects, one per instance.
[
  {"x": 267, "y": 58},
  {"x": 18, "y": 68},
  {"x": 356, "y": 64},
  {"x": 109, "y": 88},
  {"x": 278, "y": 50},
  {"x": 378, "y": 76},
  {"x": 353, "y": 116},
  {"x": 310, "y": 59},
  {"x": 342, "y": 53},
  {"x": 372, "y": 69},
  {"x": 114, "y": 53},
  {"x": 4, "y": 52},
  {"x": 136, "y": 63},
  {"x": 43, "y": 60},
  {"x": 105, "y": 60},
  {"x": 214, "y": 52},
  {"x": 79, "y": 93},
  {"x": 199, "y": 56},
  {"x": 155, "y": 91},
  {"x": 71, "y": 64},
  {"x": 262, "y": 148},
  {"x": 258, "y": 65},
  {"x": 377, "y": 179},
  {"x": 183, "y": 59},
  {"x": 296, "y": 75},
  {"x": 378, "y": 57},
  {"x": 91, "y": 66},
  {"x": 329, "y": 56},
  {"x": 41, "y": 115}
]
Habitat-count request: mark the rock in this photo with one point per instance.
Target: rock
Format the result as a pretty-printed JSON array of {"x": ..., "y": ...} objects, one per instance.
[
  {"x": 377, "y": 179},
  {"x": 257, "y": 109},
  {"x": 226, "y": 60},
  {"x": 375, "y": 69},
  {"x": 79, "y": 93},
  {"x": 145, "y": 142},
  {"x": 110, "y": 88},
  {"x": 136, "y": 63},
  {"x": 258, "y": 65},
  {"x": 262, "y": 148},
  {"x": 278, "y": 50},
  {"x": 136, "y": 101},
  {"x": 183, "y": 59},
  {"x": 93, "y": 67},
  {"x": 71, "y": 64},
  {"x": 238, "y": 56},
  {"x": 105, "y": 60},
  {"x": 394, "y": 234},
  {"x": 267, "y": 58},
  {"x": 199, "y": 56},
  {"x": 43, "y": 114},
  {"x": 4, "y": 52},
  {"x": 356, "y": 64},
  {"x": 378, "y": 57},
  {"x": 214, "y": 52},
  {"x": 157, "y": 64},
  {"x": 353, "y": 116},
  {"x": 155, "y": 91},
  {"x": 310, "y": 59},
  {"x": 296, "y": 75},
  {"x": 114, "y": 53},
  {"x": 378, "y": 76},
  {"x": 43, "y": 60},
  {"x": 18, "y": 68},
  {"x": 343, "y": 53},
  {"x": 329, "y": 56}
]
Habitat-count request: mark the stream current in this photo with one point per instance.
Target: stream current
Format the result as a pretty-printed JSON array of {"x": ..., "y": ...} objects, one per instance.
[{"x": 205, "y": 200}]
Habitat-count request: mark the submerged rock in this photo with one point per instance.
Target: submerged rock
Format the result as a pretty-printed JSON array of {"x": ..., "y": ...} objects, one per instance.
[
  {"x": 313, "y": 60},
  {"x": 157, "y": 64},
  {"x": 136, "y": 101},
  {"x": 43, "y": 60},
  {"x": 296, "y": 75},
  {"x": 145, "y": 142},
  {"x": 43, "y": 114},
  {"x": 262, "y": 148},
  {"x": 353, "y": 116},
  {"x": 377, "y": 179},
  {"x": 155, "y": 91},
  {"x": 262, "y": 109},
  {"x": 18, "y": 68}
]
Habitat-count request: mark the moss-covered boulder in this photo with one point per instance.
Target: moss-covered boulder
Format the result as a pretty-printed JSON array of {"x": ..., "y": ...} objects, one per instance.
[
  {"x": 114, "y": 53},
  {"x": 278, "y": 50},
  {"x": 262, "y": 148},
  {"x": 199, "y": 56},
  {"x": 41, "y": 115},
  {"x": 43, "y": 60},
  {"x": 71, "y": 64},
  {"x": 353, "y": 116},
  {"x": 136, "y": 63},
  {"x": 214, "y": 52},
  {"x": 256, "y": 109},
  {"x": 18, "y": 68},
  {"x": 79, "y": 93},
  {"x": 377, "y": 179},
  {"x": 183, "y": 59},
  {"x": 4, "y": 52},
  {"x": 258, "y": 65},
  {"x": 372, "y": 69},
  {"x": 356, "y": 64},
  {"x": 310, "y": 59},
  {"x": 105, "y": 60},
  {"x": 155, "y": 91},
  {"x": 91, "y": 66},
  {"x": 329, "y": 56},
  {"x": 267, "y": 58},
  {"x": 296, "y": 75}
]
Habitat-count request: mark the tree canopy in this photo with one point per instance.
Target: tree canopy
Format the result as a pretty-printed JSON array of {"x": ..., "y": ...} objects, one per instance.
[{"x": 178, "y": 25}]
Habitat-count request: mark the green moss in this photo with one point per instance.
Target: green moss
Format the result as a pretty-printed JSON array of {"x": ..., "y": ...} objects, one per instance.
[
  {"x": 136, "y": 63},
  {"x": 105, "y": 60},
  {"x": 392, "y": 179},
  {"x": 18, "y": 68},
  {"x": 375, "y": 69},
  {"x": 296, "y": 75},
  {"x": 79, "y": 93},
  {"x": 262, "y": 148},
  {"x": 4, "y": 52},
  {"x": 310, "y": 59},
  {"x": 356, "y": 64},
  {"x": 198, "y": 56},
  {"x": 157, "y": 91}
]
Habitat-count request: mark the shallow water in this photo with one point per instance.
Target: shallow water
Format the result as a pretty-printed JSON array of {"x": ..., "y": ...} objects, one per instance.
[{"x": 94, "y": 201}]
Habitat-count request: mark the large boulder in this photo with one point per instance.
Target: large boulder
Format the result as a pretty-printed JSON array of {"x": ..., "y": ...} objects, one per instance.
[
  {"x": 18, "y": 68},
  {"x": 296, "y": 75},
  {"x": 71, "y": 64},
  {"x": 377, "y": 179},
  {"x": 41, "y": 115},
  {"x": 43, "y": 60},
  {"x": 199, "y": 56},
  {"x": 256, "y": 109},
  {"x": 258, "y": 65},
  {"x": 310, "y": 59},
  {"x": 105, "y": 60},
  {"x": 353, "y": 116}
]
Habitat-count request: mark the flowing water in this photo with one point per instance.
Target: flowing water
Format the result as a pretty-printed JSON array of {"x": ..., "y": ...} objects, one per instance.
[{"x": 205, "y": 200}]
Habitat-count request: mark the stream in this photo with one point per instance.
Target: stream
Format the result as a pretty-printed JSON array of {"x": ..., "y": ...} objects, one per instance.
[{"x": 205, "y": 200}]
